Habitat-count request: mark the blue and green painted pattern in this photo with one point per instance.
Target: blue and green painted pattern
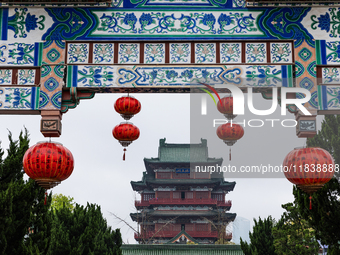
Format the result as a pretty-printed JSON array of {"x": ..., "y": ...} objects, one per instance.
[
  {"x": 179, "y": 53},
  {"x": 330, "y": 75},
  {"x": 53, "y": 52},
  {"x": 136, "y": 76},
  {"x": 162, "y": 23},
  {"x": 22, "y": 22},
  {"x": 26, "y": 76},
  {"x": 51, "y": 87},
  {"x": 328, "y": 52},
  {"x": 26, "y": 32},
  {"x": 19, "y": 98},
  {"x": 15, "y": 76},
  {"x": 167, "y": 4},
  {"x": 6, "y": 77},
  {"x": 20, "y": 54},
  {"x": 329, "y": 97},
  {"x": 3, "y": 23},
  {"x": 161, "y": 20}
]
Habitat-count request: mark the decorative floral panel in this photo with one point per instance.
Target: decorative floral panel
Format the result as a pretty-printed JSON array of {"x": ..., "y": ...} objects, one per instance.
[
  {"x": 26, "y": 76},
  {"x": 78, "y": 53},
  {"x": 330, "y": 75},
  {"x": 180, "y": 53},
  {"x": 6, "y": 77},
  {"x": 256, "y": 53},
  {"x": 205, "y": 53},
  {"x": 281, "y": 53},
  {"x": 103, "y": 53},
  {"x": 154, "y": 53},
  {"x": 128, "y": 53},
  {"x": 230, "y": 52}
]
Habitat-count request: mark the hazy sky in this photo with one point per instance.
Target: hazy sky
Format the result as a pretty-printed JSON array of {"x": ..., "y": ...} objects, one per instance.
[{"x": 100, "y": 176}]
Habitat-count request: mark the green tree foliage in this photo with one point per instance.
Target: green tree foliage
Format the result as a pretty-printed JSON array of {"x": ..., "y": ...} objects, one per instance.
[
  {"x": 22, "y": 208},
  {"x": 328, "y": 137},
  {"x": 261, "y": 240},
  {"x": 60, "y": 201},
  {"x": 325, "y": 214},
  {"x": 28, "y": 226},
  {"x": 83, "y": 230},
  {"x": 293, "y": 234}
]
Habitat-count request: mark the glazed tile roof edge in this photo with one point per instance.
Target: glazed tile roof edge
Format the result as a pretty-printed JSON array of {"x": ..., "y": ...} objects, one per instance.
[{"x": 206, "y": 248}]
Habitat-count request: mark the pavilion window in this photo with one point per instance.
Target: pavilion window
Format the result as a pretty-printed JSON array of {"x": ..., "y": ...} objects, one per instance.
[
  {"x": 218, "y": 197},
  {"x": 163, "y": 194},
  {"x": 202, "y": 194},
  {"x": 190, "y": 195},
  {"x": 189, "y": 227},
  {"x": 176, "y": 195},
  {"x": 148, "y": 196},
  {"x": 201, "y": 227},
  {"x": 176, "y": 227}
]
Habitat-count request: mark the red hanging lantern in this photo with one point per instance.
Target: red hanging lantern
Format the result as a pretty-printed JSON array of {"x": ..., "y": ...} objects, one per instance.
[
  {"x": 225, "y": 106},
  {"x": 48, "y": 163},
  {"x": 127, "y": 106},
  {"x": 125, "y": 133},
  {"x": 230, "y": 133},
  {"x": 309, "y": 168}
]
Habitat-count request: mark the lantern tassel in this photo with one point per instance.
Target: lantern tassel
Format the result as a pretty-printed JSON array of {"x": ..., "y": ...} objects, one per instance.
[
  {"x": 45, "y": 197},
  {"x": 230, "y": 154},
  {"x": 124, "y": 154},
  {"x": 310, "y": 202}
]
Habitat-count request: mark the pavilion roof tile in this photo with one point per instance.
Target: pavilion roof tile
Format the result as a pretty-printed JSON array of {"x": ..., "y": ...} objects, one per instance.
[
  {"x": 148, "y": 180},
  {"x": 182, "y": 153},
  {"x": 179, "y": 249}
]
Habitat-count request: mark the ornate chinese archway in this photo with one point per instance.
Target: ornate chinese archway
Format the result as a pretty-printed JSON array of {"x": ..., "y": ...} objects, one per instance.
[{"x": 52, "y": 57}]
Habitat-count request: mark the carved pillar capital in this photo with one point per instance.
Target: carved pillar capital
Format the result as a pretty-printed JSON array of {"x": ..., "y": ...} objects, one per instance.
[{"x": 50, "y": 124}]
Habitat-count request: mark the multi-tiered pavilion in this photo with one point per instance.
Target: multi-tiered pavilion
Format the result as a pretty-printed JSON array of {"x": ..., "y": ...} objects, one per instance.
[{"x": 179, "y": 204}]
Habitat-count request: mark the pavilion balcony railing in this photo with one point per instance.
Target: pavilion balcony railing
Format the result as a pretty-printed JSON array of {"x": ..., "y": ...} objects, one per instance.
[
  {"x": 169, "y": 201},
  {"x": 171, "y": 234}
]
